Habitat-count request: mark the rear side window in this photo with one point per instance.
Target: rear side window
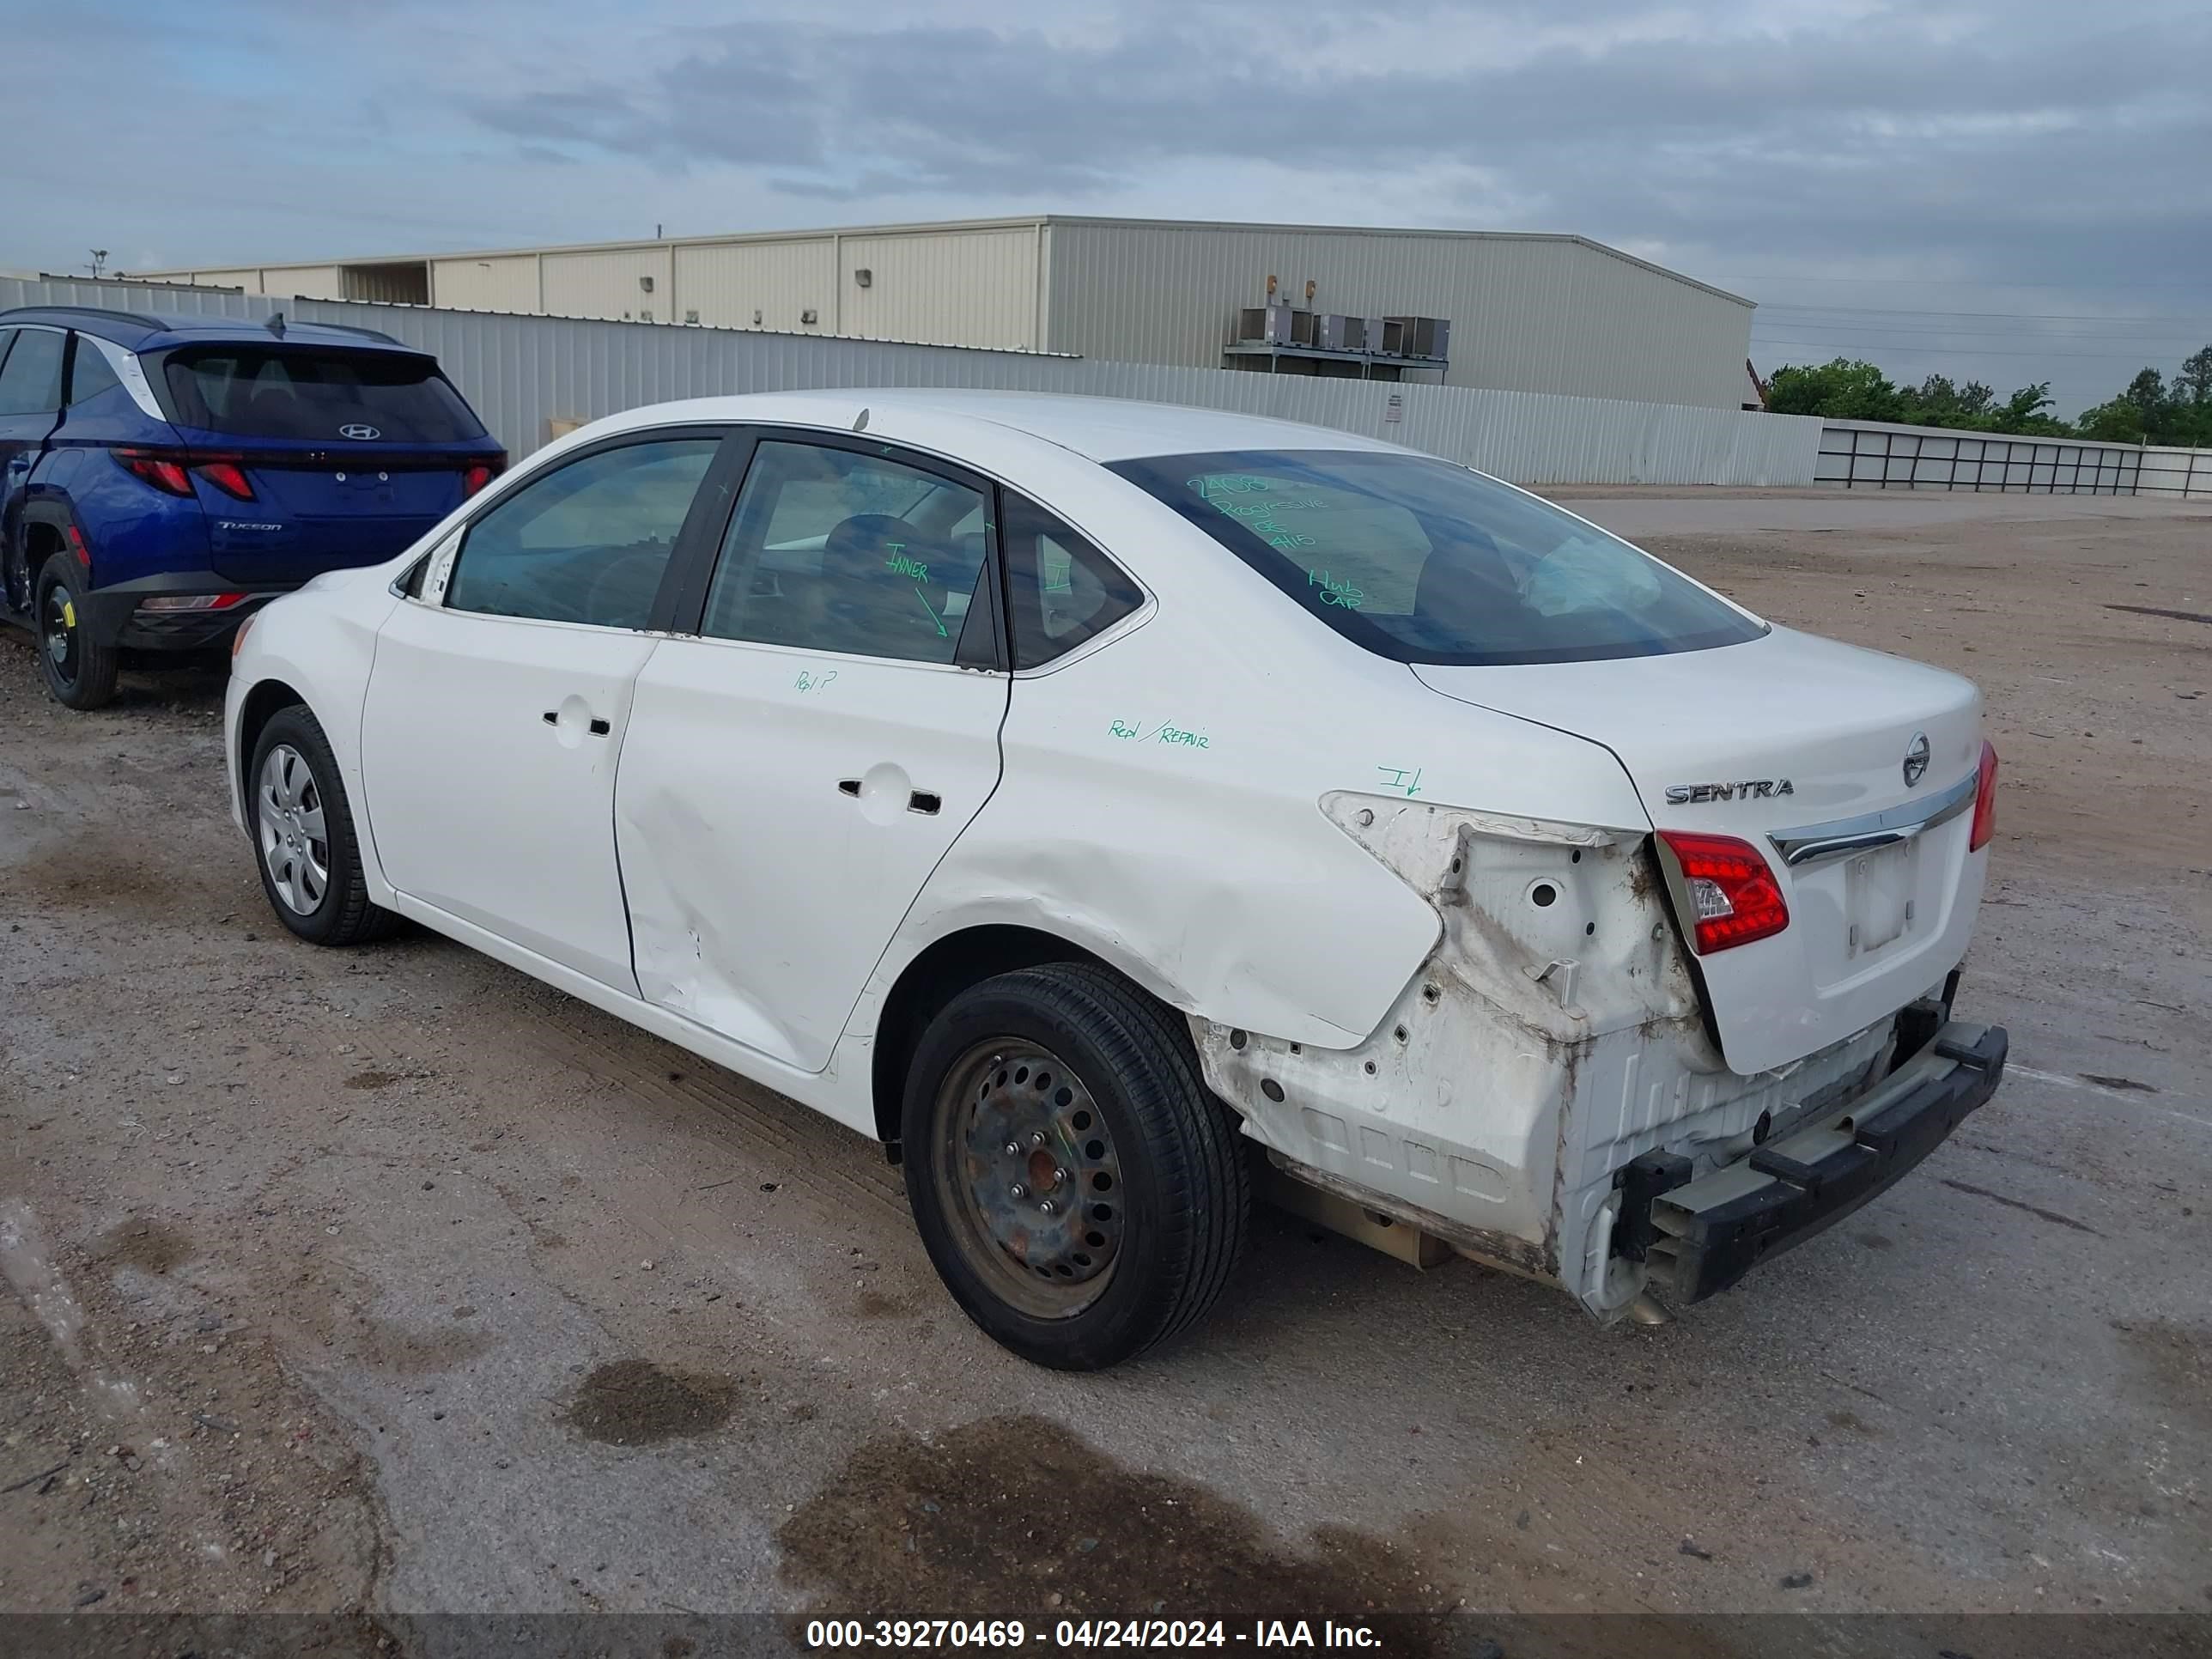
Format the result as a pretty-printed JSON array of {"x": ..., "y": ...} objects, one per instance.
[
  {"x": 1064, "y": 591},
  {"x": 586, "y": 543},
  {"x": 30, "y": 378},
  {"x": 831, "y": 550},
  {"x": 90, "y": 374},
  {"x": 1422, "y": 561},
  {"x": 315, "y": 392}
]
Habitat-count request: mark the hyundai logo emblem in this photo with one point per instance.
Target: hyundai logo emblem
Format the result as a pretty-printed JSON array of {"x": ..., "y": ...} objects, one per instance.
[
  {"x": 1916, "y": 759},
  {"x": 363, "y": 433}
]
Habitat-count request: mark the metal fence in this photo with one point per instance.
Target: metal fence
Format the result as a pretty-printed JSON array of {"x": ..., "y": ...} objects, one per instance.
[
  {"x": 525, "y": 374},
  {"x": 1876, "y": 455},
  {"x": 2184, "y": 472}
]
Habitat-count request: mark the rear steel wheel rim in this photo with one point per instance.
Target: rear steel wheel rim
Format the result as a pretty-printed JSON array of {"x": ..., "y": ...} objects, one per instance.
[
  {"x": 289, "y": 822},
  {"x": 1029, "y": 1178},
  {"x": 60, "y": 634}
]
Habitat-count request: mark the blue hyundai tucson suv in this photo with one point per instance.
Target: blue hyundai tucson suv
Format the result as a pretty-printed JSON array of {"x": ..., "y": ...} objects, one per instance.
[{"x": 162, "y": 476}]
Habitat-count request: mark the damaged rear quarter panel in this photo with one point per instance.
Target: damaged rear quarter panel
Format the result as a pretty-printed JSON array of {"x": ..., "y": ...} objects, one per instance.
[{"x": 1469, "y": 1110}]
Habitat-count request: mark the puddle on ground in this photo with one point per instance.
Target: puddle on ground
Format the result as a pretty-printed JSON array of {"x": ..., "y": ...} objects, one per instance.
[
  {"x": 151, "y": 1247},
  {"x": 1011, "y": 1512},
  {"x": 372, "y": 1079},
  {"x": 634, "y": 1402}
]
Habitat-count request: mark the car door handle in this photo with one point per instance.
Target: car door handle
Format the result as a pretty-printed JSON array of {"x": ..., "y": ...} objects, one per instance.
[
  {"x": 917, "y": 800},
  {"x": 598, "y": 728}
]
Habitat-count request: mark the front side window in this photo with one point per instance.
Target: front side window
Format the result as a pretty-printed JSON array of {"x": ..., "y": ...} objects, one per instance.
[
  {"x": 317, "y": 393},
  {"x": 586, "y": 543},
  {"x": 1422, "y": 561},
  {"x": 30, "y": 378},
  {"x": 836, "y": 550},
  {"x": 1060, "y": 589}
]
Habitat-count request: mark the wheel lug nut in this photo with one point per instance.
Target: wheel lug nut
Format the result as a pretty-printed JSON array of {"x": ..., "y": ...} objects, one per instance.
[
  {"x": 1019, "y": 1190},
  {"x": 1049, "y": 1207},
  {"x": 1013, "y": 1149},
  {"x": 1059, "y": 1175},
  {"x": 1037, "y": 1139}
]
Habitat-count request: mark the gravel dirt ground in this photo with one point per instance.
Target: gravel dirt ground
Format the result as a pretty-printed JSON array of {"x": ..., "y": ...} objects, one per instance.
[{"x": 388, "y": 1281}]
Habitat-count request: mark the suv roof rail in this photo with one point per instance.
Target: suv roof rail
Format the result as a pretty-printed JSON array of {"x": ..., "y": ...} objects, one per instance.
[
  {"x": 139, "y": 317},
  {"x": 175, "y": 322}
]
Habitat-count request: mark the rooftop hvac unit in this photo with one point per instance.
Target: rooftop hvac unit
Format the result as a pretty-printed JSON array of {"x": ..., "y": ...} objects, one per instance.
[
  {"x": 1269, "y": 325},
  {"x": 1417, "y": 337},
  {"x": 1334, "y": 333}
]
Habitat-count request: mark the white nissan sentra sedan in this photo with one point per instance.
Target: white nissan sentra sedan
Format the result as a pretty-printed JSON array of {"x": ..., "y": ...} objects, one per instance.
[{"x": 1112, "y": 808}]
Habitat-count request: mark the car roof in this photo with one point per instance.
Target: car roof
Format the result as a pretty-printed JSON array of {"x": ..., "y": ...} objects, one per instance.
[
  {"x": 1099, "y": 428},
  {"x": 148, "y": 331}
]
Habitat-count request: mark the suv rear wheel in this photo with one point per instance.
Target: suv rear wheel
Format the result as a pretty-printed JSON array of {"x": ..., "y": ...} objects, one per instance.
[
  {"x": 79, "y": 668},
  {"x": 1081, "y": 1195}
]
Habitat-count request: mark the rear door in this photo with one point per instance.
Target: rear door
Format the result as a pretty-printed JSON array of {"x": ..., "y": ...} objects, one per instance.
[
  {"x": 796, "y": 770},
  {"x": 500, "y": 698},
  {"x": 342, "y": 456}
]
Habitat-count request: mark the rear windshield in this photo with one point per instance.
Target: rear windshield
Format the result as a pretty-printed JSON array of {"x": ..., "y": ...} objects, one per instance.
[
  {"x": 1422, "y": 561},
  {"x": 299, "y": 392}
]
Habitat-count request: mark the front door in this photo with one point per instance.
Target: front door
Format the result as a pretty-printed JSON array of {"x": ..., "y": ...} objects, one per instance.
[
  {"x": 500, "y": 698},
  {"x": 795, "y": 771},
  {"x": 30, "y": 404}
]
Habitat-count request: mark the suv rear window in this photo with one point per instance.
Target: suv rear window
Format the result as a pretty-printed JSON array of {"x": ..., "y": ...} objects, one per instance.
[
  {"x": 297, "y": 392},
  {"x": 1422, "y": 561}
]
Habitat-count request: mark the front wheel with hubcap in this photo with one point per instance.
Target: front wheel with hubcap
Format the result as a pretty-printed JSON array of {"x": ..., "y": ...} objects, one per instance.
[
  {"x": 1081, "y": 1195},
  {"x": 302, "y": 829},
  {"x": 79, "y": 668}
]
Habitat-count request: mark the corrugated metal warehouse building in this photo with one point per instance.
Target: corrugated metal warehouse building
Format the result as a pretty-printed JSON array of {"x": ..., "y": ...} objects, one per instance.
[{"x": 1528, "y": 312}]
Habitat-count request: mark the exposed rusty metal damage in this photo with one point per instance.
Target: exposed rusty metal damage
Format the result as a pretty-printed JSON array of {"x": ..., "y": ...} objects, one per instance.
[{"x": 1554, "y": 1033}]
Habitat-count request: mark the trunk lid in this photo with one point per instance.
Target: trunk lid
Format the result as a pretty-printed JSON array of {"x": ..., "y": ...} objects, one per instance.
[
  {"x": 313, "y": 512},
  {"x": 1763, "y": 741}
]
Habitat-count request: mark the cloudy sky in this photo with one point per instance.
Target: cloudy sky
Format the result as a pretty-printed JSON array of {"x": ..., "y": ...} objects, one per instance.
[{"x": 2002, "y": 190}]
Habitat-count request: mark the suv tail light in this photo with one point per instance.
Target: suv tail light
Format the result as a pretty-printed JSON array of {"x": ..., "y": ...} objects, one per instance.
[
  {"x": 163, "y": 469},
  {"x": 170, "y": 471},
  {"x": 1734, "y": 896},
  {"x": 482, "y": 473},
  {"x": 1986, "y": 800},
  {"x": 225, "y": 475}
]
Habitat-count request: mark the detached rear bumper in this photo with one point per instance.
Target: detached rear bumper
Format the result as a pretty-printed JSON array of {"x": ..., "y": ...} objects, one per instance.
[{"x": 1702, "y": 1236}]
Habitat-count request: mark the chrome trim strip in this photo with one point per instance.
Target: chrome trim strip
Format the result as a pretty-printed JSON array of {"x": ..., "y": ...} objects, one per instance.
[{"x": 1816, "y": 844}]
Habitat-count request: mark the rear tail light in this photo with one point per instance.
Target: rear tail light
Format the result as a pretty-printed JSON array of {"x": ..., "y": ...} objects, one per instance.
[
  {"x": 1986, "y": 800},
  {"x": 192, "y": 602},
  {"x": 170, "y": 471},
  {"x": 162, "y": 469},
  {"x": 228, "y": 477},
  {"x": 480, "y": 475},
  {"x": 1734, "y": 897}
]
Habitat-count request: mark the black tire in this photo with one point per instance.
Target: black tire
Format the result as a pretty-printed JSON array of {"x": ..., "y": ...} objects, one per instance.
[
  {"x": 280, "y": 833},
  {"x": 16, "y": 574},
  {"x": 79, "y": 669},
  {"x": 1184, "y": 1190}
]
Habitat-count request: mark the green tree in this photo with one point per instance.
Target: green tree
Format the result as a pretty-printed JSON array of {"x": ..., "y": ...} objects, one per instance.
[
  {"x": 1843, "y": 390},
  {"x": 2118, "y": 422},
  {"x": 2195, "y": 379}
]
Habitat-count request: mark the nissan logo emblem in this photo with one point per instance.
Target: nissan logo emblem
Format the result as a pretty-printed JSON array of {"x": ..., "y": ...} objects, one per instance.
[
  {"x": 359, "y": 431},
  {"x": 1916, "y": 759}
]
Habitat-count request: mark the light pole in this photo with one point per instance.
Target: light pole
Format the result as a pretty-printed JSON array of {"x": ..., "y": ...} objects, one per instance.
[{"x": 98, "y": 262}]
